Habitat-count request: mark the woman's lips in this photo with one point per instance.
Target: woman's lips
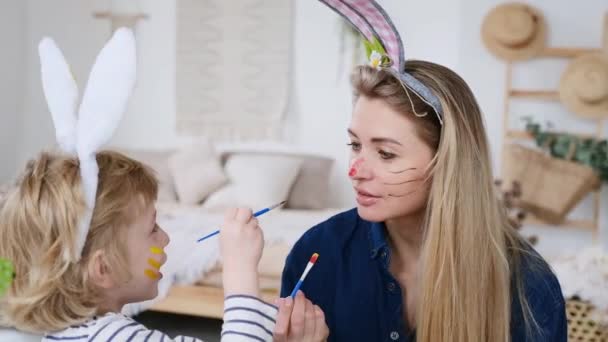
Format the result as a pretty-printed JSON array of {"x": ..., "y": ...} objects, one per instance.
[{"x": 365, "y": 198}]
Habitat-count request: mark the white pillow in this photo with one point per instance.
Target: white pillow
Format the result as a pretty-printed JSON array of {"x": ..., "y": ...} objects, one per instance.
[
  {"x": 256, "y": 181},
  {"x": 311, "y": 188},
  {"x": 197, "y": 172}
]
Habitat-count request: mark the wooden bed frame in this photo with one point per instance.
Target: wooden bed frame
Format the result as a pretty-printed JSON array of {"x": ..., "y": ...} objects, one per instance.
[{"x": 200, "y": 300}]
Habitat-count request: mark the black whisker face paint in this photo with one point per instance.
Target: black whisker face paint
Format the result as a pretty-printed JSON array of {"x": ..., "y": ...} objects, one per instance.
[
  {"x": 403, "y": 195},
  {"x": 404, "y": 182},
  {"x": 402, "y": 171}
]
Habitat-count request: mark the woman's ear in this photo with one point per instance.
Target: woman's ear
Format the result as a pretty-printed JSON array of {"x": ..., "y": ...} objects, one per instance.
[{"x": 99, "y": 270}]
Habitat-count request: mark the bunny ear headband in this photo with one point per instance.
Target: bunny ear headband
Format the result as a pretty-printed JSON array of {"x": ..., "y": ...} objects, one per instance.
[
  {"x": 104, "y": 101},
  {"x": 383, "y": 46}
]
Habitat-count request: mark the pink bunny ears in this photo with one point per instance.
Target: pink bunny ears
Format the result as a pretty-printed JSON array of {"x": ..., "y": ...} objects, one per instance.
[
  {"x": 83, "y": 130},
  {"x": 373, "y": 23},
  {"x": 384, "y": 45}
]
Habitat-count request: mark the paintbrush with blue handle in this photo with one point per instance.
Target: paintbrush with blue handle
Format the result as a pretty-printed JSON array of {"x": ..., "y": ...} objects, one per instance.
[{"x": 256, "y": 214}]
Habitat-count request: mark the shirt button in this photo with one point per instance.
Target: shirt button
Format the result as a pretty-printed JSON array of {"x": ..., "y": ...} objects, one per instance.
[
  {"x": 391, "y": 286},
  {"x": 394, "y": 336},
  {"x": 383, "y": 255}
]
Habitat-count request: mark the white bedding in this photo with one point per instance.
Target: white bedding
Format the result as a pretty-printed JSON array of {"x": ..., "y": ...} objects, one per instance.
[
  {"x": 584, "y": 273},
  {"x": 188, "y": 260}
]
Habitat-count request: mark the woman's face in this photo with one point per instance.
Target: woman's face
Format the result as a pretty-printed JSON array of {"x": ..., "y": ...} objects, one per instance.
[{"x": 388, "y": 164}]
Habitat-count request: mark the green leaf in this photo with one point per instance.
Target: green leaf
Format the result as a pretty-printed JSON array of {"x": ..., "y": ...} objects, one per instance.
[
  {"x": 378, "y": 46},
  {"x": 368, "y": 48}
]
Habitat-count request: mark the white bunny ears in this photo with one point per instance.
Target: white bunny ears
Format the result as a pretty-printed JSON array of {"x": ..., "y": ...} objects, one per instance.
[{"x": 109, "y": 87}]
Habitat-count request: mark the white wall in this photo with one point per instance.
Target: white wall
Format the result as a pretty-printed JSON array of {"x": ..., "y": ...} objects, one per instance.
[
  {"x": 79, "y": 36},
  {"x": 12, "y": 32},
  {"x": 443, "y": 31},
  {"x": 320, "y": 105}
]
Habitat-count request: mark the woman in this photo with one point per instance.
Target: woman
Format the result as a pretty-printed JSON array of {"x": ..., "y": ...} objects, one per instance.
[{"x": 428, "y": 254}]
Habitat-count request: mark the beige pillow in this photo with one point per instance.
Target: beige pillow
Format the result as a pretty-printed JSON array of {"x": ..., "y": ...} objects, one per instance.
[
  {"x": 197, "y": 172},
  {"x": 158, "y": 161},
  {"x": 256, "y": 181},
  {"x": 311, "y": 188}
]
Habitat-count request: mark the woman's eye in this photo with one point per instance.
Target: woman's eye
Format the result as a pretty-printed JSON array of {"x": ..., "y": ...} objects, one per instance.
[
  {"x": 355, "y": 146},
  {"x": 386, "y": 155}
]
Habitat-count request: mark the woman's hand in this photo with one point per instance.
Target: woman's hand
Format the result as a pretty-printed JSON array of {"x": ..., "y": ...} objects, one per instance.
[{"x": 300, "y": 320}]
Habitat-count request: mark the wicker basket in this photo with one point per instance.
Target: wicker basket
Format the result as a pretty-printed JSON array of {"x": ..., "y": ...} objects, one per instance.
[
  {"x": 581, "y": 327},
  {"x": 551, "y": 187}
]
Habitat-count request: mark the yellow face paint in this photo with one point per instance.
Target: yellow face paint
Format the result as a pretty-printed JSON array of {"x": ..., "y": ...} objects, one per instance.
[
  {"x": 153, "y": 273},
  {"x": 154, "y": 263},
  {"x": 156, "y": 250}
]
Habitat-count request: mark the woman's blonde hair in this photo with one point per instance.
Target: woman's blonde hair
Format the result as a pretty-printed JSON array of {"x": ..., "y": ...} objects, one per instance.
[
  {"x": 38, "y": 224},
  {"x": 470, "y": 251}
]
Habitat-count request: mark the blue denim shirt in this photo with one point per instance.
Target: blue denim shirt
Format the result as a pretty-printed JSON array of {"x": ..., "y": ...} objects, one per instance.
[{"x": 362, "y": 301}]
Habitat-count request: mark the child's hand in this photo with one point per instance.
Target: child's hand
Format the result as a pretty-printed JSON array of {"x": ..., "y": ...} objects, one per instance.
[
  {"x": 300, "y": 320},
  {"x": 241, "y": 244}
]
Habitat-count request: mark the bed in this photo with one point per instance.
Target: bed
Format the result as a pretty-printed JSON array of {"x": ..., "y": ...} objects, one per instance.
[
  {"x": 192, "y": 276},
  {"x": 197, "y": 183}
]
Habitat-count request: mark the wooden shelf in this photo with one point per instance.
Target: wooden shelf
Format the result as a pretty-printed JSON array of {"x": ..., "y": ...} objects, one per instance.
[
  {"x": 545, "y": 95},
  {"x": 524, "y": 135},
  {"x": 565, "y": 52},
  {"x": 112, "y": 15},
  {"x": 567, "y": 224},
  {"x": 592, "y": 224}
]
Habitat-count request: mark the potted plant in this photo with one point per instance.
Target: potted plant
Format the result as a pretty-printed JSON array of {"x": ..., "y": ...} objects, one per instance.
[{"x": 589, "y": 151}]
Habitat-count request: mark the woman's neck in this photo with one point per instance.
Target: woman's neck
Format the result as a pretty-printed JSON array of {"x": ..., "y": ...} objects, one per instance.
[{"x": 405, "y": 239}]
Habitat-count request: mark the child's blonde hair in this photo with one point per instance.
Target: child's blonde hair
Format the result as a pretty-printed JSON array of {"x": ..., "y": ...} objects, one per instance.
[{"x": 38, "y": 226}]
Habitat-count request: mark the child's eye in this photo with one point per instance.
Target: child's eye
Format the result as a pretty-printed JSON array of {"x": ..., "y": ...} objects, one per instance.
[
  {"x": 386, "y": 155},
  {"x": 355, "y": 146}
]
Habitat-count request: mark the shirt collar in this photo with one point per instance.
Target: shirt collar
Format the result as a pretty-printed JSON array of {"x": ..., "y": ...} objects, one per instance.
[{"x": 377, "y": 238}]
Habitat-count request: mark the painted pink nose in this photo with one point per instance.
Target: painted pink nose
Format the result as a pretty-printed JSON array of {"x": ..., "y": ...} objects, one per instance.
[{"x": 354, "y": 167}]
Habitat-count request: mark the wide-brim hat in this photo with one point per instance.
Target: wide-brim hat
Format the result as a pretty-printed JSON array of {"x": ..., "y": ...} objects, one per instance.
[
  {"x": 583, "y": 87},
  {"x": 514, "y": 31}
]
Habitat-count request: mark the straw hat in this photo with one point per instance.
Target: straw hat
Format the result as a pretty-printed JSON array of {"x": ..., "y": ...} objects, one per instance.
[
  {"x": 583, "y": 87},
  {"x": 514, "y": 31}
]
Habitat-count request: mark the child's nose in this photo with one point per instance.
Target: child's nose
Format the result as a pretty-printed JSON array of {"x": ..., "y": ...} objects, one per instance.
[{"x": 164, "y": 237}]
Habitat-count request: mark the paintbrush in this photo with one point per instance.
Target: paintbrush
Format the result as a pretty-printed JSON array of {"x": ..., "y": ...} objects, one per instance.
[
  {"x": 310, "y": 264},
  {"x": 256, "y": 214}
]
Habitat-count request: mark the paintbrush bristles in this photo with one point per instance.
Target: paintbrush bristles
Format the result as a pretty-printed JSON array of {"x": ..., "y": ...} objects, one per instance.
[{"x": 277, "y": 205}]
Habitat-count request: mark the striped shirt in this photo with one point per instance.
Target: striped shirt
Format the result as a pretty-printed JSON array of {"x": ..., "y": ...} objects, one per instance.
[{"x": 246, "y": 318}]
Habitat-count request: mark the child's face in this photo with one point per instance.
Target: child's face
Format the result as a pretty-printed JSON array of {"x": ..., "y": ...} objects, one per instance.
[{"x": 145, "y": 244}]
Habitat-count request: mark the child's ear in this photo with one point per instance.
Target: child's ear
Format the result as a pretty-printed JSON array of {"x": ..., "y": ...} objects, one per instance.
[{"x": 99, "y": 270}]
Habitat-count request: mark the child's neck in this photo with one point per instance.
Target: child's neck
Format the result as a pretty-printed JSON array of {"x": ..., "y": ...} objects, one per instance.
[{"x": 109, "y": 305}]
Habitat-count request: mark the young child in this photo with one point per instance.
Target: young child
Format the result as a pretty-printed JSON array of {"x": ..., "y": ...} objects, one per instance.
[
  {"x": 80, "y": 228},
  {"x": 121, "y": 259}
]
